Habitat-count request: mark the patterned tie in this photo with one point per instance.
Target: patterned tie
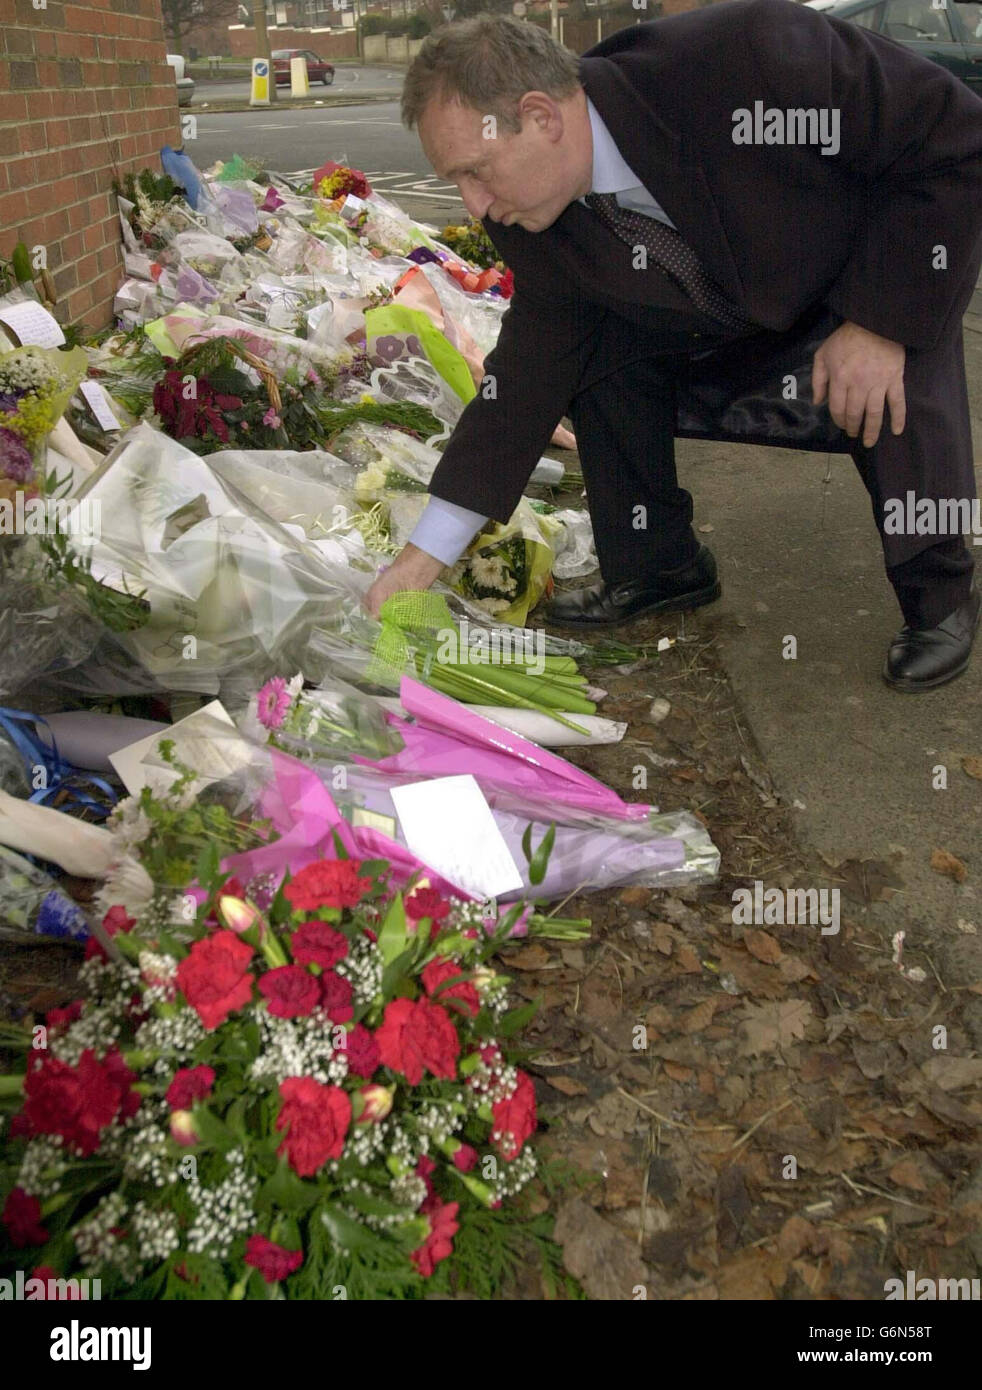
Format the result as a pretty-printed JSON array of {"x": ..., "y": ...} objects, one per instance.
[{"x": 673, "y": 254}]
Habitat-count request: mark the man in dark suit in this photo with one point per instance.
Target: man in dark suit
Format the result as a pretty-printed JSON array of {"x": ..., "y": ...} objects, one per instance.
[{"x": 736, "y": 174}]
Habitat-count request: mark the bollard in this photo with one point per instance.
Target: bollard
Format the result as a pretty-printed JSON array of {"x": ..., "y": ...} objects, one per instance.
[
  {"x": 260, "y": 82},
  {"x": 299, "y": 81}
]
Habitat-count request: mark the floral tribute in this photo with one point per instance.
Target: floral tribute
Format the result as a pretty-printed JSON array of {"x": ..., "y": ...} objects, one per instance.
[
  {"x": 338, "y": 181},
  {"x": 310, "y": 1101}
]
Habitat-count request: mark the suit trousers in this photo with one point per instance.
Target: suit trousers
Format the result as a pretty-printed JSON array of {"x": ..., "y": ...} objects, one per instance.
[{"x": 624, "y": 413}]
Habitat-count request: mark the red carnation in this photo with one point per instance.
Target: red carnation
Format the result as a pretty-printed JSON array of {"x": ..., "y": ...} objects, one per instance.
[
  {"x": 336, "y": 995},
  {"x": 514, "y": 1118},
  {"x": 76, "y": 1102},
  {"x": 290, "y": 991},
  {"x": 439, "y": 1243},
  {"x": 328, "y": 883},
  {"x": 318, "y": 943},
  {"x": 316, "y": 1119},
  {"x": 62, "y": 1018},
  {"x": 425, "y": 1169},
  {"x": 273, "y": 1261},
  {"x": 115, "y": 920},
  {"x": 361, "y": 1050},
  {"x": 465, "y": 1158},
  {"x": 464, "y": 992},
  {"x": 506, "y": 285},
  {"x": 215, "y": 978},
  {"x": 189, "y": 1084},
  {"x": 417, "y": 1034},
  {"x": 46, "y": 1274},
  {"x": 426, "y": 902},
  {"x": 22, "y": 1218}
]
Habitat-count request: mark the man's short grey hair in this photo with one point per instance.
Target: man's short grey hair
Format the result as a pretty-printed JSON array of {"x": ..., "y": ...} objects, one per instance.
[{"x": 488, "y": 63}]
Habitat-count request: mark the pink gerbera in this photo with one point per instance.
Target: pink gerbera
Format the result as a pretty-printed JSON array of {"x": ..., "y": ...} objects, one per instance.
[{"x": 272, "y": 703}]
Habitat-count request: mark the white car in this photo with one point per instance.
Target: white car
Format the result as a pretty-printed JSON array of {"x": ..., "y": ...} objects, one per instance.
[{"x": 185, "y": 85}]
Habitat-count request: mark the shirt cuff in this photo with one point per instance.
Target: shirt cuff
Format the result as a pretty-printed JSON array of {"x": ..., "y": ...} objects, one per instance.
[{"x": 446, "y": 530}]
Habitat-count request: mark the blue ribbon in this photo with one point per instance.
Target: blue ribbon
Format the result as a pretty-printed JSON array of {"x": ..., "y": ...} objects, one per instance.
[{"x": 60, "y": 775}]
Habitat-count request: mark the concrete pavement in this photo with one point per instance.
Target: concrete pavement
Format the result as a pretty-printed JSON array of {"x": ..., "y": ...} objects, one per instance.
[{"x": 799, "y": 556}]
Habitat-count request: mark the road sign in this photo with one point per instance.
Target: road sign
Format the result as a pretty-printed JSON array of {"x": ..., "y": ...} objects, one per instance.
[{"x": 260, "y": 82}]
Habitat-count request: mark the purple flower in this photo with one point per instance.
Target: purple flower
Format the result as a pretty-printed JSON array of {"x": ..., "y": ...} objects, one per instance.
[
  {"x": 9, "y": 402},
  {"x": 272, "y": 703},
  {"x": 15, "y": 457}
]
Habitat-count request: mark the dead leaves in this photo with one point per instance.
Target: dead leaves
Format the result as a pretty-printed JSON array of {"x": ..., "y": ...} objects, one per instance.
[
  {"x": 767, "y": 1027},
  {"x": 947, "y": 864},
  {"x": 603, "y": 1259},
  {"x": 762, "y": 946},
  {"x": 972, "y": 766}
]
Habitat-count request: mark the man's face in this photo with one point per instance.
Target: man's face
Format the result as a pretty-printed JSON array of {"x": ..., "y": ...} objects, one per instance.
[{"x": 524, "y": 179}]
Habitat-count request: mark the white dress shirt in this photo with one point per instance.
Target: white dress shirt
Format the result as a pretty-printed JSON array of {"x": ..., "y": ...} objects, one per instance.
[{"x": 445, "y": 530}]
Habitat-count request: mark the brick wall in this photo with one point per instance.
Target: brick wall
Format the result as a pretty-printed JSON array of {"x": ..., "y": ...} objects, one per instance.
[
  {"x": 85, "y": 96},
  {"x": 326, "y": 43}
]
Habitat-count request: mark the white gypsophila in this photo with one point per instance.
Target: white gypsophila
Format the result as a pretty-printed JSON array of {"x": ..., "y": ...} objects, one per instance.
[
  {"x": 96, "y": 1242},
  {"x": 408, "y": 1190},
  {"x": 494, "y": 997},
  {"x": 173, "y": 1037},
  {"x": 406, "y": 1146},
  {"x": 362, "y": 967},
  {"x": 43, "y": 1165},
  {"x": 512, "y": 1176},
  {"x": 299, "y": 1047},
  {"x": 491, "y": 1084},
  {"x": 438, "y": 1122},
  {"x": 494, "y": 605},
  {"x": 223, "y": 1212},
  {"x": 99, "y": 1029},
  {"x": 157, "y": 969},
  {"x": 366, "y": 1142},
  {"x": 154, "y": 1231},
  {"x": 112, "y": 982},
  {"x": 140, "y": 1142}
]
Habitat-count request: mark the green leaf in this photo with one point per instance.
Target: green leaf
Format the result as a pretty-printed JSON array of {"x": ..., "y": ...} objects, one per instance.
[
  {"x": 516, "y": 1019},
  {"x": 393, "y": 936},
  {"x": 540, "y": 859},
  {"x": 288, "y": 1191},
  {"x": 374, "y": 1206},
  {"x": 349, "y": 1235}
]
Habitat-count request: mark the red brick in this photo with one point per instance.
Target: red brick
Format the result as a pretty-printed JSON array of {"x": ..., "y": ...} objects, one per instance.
[{"x": 13, "y": 106}]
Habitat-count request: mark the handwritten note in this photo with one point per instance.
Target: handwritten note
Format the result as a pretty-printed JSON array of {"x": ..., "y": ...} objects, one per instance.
[
  {"x": 448, "y": 824},
  {"x": 32, "y": 324},
  {"x": 98, "y": 402}
]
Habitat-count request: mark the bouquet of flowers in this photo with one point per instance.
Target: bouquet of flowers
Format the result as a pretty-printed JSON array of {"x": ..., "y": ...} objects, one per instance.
[
  {"x": 36, "y": 385},
  {"x": 338, "y": 181},
  {"x": 305, "y": 722},
  {"x": 310, "y": 1099}
]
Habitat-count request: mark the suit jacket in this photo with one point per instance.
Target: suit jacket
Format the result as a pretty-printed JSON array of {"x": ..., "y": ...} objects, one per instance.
[{"x": 781, "y": 228}]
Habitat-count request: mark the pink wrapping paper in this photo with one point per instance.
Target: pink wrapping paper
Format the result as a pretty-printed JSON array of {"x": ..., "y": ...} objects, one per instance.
[
  {"x": 303, "y": 811},
  {"x": 449, "y": 739}
]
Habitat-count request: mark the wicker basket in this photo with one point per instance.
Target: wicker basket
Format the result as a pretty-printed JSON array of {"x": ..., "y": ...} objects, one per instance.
[{"x": 265, "y": 372}]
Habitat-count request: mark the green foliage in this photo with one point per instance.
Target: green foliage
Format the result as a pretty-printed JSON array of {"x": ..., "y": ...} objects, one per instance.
[{"x": 471, "y": 242}]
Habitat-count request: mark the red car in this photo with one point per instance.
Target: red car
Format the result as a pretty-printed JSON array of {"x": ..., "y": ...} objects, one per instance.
[{"x": 317, "y": 69}]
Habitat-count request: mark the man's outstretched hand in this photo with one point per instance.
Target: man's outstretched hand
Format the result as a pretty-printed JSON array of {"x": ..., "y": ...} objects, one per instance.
[
  {"x": 411, "y": 569},
  {"x": 861, "y": 371}
]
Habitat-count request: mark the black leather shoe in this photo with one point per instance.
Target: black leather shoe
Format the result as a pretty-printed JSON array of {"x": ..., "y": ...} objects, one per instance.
[
  {"x": 921, "y": 658},
  {"x": 605, "y": 605}
]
